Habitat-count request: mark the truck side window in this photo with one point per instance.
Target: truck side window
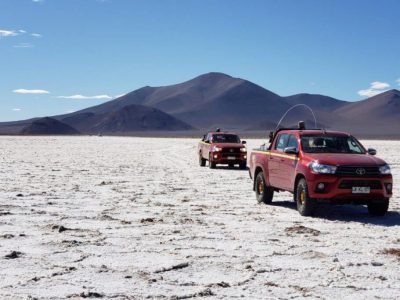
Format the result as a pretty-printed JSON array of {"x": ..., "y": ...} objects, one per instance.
[
  {"x": 281, "y": 142},
  {"x": 293, "y": 142}
]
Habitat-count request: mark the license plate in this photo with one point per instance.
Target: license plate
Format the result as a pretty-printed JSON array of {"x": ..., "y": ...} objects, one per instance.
[
  {"x": 360, "y": 190},
  {"x": 231, "y": 157}
]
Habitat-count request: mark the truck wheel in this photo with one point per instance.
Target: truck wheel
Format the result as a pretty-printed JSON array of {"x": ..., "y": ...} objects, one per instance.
[
  {"x": 243, "y": 166},
  {"x": 264, "y": 193},
  {"x": 211, "y": 164},
  {"x": 305, "y": 204},
  {"x": 202, "y": 161},
  {"x": 378, "y": 209}
]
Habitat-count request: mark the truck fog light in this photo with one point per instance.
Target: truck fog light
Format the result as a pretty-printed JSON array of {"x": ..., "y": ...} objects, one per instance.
[
  {"x": 215, "y": 156},
  {"x": 389, "y": 187},
  {"x": 320, "y": 187},
  {"x": 245, "y": 156}
]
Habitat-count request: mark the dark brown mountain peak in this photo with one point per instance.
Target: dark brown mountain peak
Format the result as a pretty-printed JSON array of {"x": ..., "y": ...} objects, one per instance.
[
  {"x": 392, "y": 93},
  {"x": 212, "y": 79},
  {"x": 136, "y": 118},
  {"x": 214, "y": 76},
  {"x": 385, "y": 97},
  {"x": 48, "y": 126}
]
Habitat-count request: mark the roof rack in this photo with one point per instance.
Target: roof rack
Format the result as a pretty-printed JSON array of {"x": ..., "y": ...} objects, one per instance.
[{"x": 301, "y": 126}]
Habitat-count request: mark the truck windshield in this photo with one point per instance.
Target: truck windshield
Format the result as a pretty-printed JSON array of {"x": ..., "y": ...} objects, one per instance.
[
  {"x": 331, "y": 144},
  {"x": 225, "y": 138}
]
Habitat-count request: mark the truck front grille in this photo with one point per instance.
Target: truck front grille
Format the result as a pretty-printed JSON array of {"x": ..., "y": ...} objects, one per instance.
[
  {"x": 230, "y": 150},
  {"x": 372, "y": 184},
  {"x": 357, "y": 171}
]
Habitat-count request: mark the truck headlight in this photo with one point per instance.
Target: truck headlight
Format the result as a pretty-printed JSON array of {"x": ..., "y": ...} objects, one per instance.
[
  {"x": 243, "y": 149},
  {"x": 384, "y": 170},
  {"x": 322, "y": 169},
  {"x": 216, "y": 149}
]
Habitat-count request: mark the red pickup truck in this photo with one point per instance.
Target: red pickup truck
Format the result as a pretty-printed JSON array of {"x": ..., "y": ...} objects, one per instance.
[
  {"x": 320, "y": 166},
  {"x": 222, "y": 148}
]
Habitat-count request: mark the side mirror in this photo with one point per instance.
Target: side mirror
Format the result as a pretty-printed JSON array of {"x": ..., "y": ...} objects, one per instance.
[
  {"x": 244, "y": 142},
  {"x": 290, "y": 150},
  {"x": 371, "y": 151}
]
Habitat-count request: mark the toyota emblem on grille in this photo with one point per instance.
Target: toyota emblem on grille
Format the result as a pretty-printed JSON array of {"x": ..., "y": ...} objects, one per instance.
[{"x": 360, "y": 171}]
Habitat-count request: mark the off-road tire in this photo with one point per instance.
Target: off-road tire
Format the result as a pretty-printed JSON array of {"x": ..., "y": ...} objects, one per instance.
[
  {"x": 305, "y": 204},
  {"x": 378, "y": 209},
  {"x": 211, "y": 164},
  {"x": 202, "y": 161},
  {"x": 243, "y": 166},
  {"x": 264, "y": 193}
]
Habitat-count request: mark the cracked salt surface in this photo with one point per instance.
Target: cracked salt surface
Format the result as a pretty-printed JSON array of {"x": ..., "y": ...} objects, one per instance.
[{"x": 128, "y": 218}]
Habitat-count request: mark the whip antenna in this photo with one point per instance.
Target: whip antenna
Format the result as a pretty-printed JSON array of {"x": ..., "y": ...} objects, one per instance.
[{"x": 294, "y": 106}]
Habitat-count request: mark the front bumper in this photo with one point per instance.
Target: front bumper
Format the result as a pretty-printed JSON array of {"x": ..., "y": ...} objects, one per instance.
[
  {"x": 340, "y": 189},
  {"x": 227, "y": 158}
]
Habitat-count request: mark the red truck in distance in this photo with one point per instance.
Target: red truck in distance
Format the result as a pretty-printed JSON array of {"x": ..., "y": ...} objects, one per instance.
[
  {"x": 320, "y": 166},
  {"x": 222, "y": 148}
]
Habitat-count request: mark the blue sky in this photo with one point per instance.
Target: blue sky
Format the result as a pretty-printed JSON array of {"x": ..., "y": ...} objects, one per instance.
[{"x": 64, "y": 55}]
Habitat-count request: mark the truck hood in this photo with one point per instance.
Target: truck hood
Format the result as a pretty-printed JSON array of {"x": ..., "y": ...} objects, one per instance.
[
  {"x": 228, "y": 145},
  {"x": 336, "y": 159}
]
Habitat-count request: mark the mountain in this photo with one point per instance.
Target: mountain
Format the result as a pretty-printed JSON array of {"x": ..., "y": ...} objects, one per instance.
[
  {"x": 209, "y": 100},
  {"x": 375, "y": 116},
  {"x": 186, "y": 96},
  {"x": 15, "y": 127},
  {"x": 124, "y": 119},
  {"x": 48, "y": 126},
  {"x": 135, "y": 118},
  {"x": 219, "y": 100},
  {"x": 385, "y": 106},
  {"x": 236, "y": 107},
  {"x": 174, "y": 98}
]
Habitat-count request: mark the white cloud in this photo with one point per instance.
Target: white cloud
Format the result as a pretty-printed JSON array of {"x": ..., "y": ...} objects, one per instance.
[
  {"x": 398, "y": 81},
  {"x": 96, "y": 97},
  {"x": 81, "y": 97},
  {"x": 377, "y": 85},
  {"x": 37, "y": 1},
  {"x": 375, "y": 88},
  {"x": 369, "y": 92},
  {"x": 24, "y": 45},
  {"x": 10, "y": 33},
  {"x": 25, "y": 91},
  {"x": 16, "y": 109},
  {"x": 7, "y": 33}
]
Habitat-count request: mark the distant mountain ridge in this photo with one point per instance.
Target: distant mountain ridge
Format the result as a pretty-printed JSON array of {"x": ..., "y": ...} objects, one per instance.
[{"x": 219, "y": 100}]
